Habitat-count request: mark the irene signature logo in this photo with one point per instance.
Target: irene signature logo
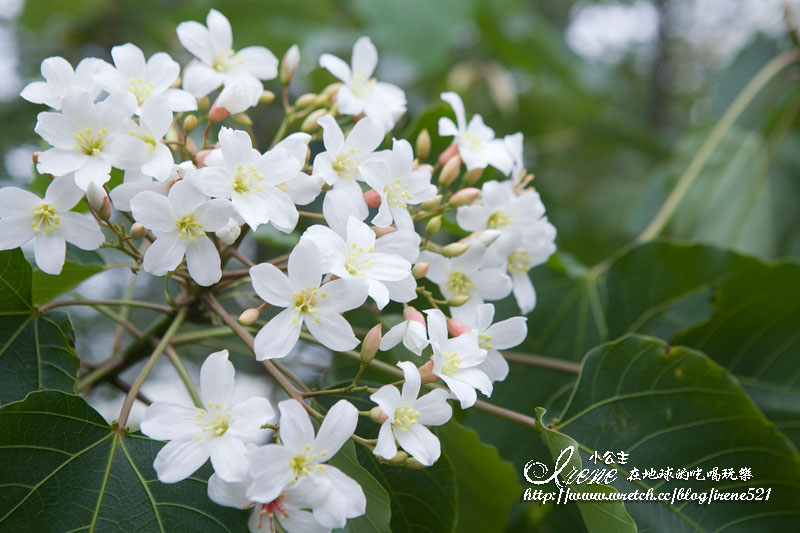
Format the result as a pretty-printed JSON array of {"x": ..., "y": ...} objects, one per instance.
[{"x": 565, "y": 474}]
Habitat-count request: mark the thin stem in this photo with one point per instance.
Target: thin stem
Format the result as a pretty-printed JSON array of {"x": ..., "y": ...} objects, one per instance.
[
  {"x": 751, "y": 90},
  {"x": 140, "y": 379},
  {"x": 238, "y": 255},
  {"x": 343, "y": 390},
  {"x": 123, "y": 315},
  {"x": 309, "y": 214},
  {"x": 131, "y": 303},
  {"x": 538, "y": 361},
  {"x": 173, "y": 357}
]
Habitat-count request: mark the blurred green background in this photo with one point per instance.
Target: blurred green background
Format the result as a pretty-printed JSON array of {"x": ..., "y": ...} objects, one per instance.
[{"x": 613, "y": 97}]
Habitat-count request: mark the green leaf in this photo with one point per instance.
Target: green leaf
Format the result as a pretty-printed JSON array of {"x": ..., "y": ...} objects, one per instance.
[
  {"x": 64, "y": 468},
  {"x": 379, "y": 511},
  {"x": 671, "y": 407},
  {"x": 79, "y": 266},
  {"x": 487, "y": 485},
  {"x": 36, "y": 350},
  {"x": 597, "y": 516}
]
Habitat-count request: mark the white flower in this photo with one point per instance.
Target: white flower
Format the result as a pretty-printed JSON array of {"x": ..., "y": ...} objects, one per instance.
[
  {"x": 466, "y": 275},
  {"x": 144, "y": 79},
  {"x": 457, "y": 361},
  {"x": 398, "y": 185},
  {"x": 298, "y": 463},
  {"x": 360, "y": 92},
  {"x": 219, "y": 64},
  {"x": 154, "y": 123},
  {"x": 408, "y": 416},
  {"x": 339, "y": 164},
  {"x": 251, "y": 181},
  {"x": 513, "y": 144},
  {"x": 476, "y": 143},
  {"x": 411, "y": 332},
  {"x": 180, "y": 222},
  {"x": 287, "y": 509},
  {"x": 89, "y": 138},
  {"x": 59, "y": 77},
  {"x": 301, "y": 188},
  {"x": 49, "y": 222},
  {"x": 134, "y": 182},
  {"x": 304, "y": 300},
  {"x": 493, "y": 337},
  {"x": 219, "y": 430},
  {"x": 357, "y": 254},
  {"x": 230, "y": 232},
  {"x": 499, "y": 207}
]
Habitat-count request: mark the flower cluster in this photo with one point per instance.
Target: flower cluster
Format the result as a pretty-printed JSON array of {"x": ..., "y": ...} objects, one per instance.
[{"x": 377, "y": 244}]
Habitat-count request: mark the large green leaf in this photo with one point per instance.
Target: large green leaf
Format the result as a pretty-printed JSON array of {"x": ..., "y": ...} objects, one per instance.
[
  {"x": 63, "y": 468},
  {"x": 379, "y": 511},
  {"x": 672, "y": 407},
  {"x": 36, "y": 350},
  {"x": 79, "y": 266}
]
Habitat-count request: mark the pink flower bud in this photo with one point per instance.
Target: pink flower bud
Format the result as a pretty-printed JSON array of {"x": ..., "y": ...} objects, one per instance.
[
  {"x": 426, "y": 372},
  {"x": 218, "y": 114},
  {"x": 410, "y": 313},
  {"x": 380, "y": 232},
  {"x": 289, "y": 63},
  {"x": 201, "y": 156},
  {"x": 372, "y": 198},
  {"x": 447, "y": 154},
  {"x": 456, "y": 327},
  {"x": 370, "y": 344},
  {"x": 377, "y": 415},
  {"x": 464, "y": 196}
]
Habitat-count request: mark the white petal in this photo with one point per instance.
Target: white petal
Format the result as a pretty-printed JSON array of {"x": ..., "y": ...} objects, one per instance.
[
  {"x": 14, "y": 232},
  {"x": 295, "y": 426},
  {"x": 95, "y": 169},
  {"x": 458, "y": 108},
  {"x": 196, "y": 39},
  {"x": 200, "y": 79},
  {"x": 164, "y": 254},
  {"x": 433, "y": 408},
  {"x": 476, "y": 378},
  {"x": 17, "y": 202},
  {"x": 202, "y": 259},
  {"x": 342, "y": 295},
  {"x": 271, "y": 285},
  {"x": 336, "y": 66},
  {"x": 463, "y": 391},
  {"x": 49, "y": 249},
  {"x": 332, "y": 135},
  {"x": 229, "y": 458},
  {"x": 338, "y": 426},
  {"x": 492, "y": 284},
  {"x": 220, "y": 30},
  {"x": 157, "y": 115},
  {"x": 508, "y": 333},
  {"x": 365, "y": 58},
  {"x": 57, "y": 129},
  {"x": 420, "y": 444},
  {"x": 277, "y": 338},
  {"x": 437, "y": 326},
  {"x": 259, "y": 61},
  {"x": 495, "y": 366},
  {"x": 170, "y": 421},
  {"x": 213, "y": 215},
  {"x": 365, "y": 136},
  {"x": 58, "y": 161},
  {"x": 162, "y": 71},
  {"x": 153, "y": 211},
  {"x": 179, "y": 459},
  {"x": 386, "y": 447},
  {"x": 447, "y": 127},
  {"x": 393, "y": 337},
  {"x": 247, "y": 418},
  {"x": 524, "y": 292},
  {"x": 81, "y": 230},
  {"x": 216, "y": 379},
  {"x": 332, "y": 331},
  {"x": 387, "y": 398},
  {"x": 213, "y": 181},
  {"x": 304, "y": 268},
  {"x": 299, "y": 521},
  {"x": 185, "y": 198},
  {"x": 228, "y": 494},
  {"x": 271, "y": 471},
  {"x": 180, "y": 100}
]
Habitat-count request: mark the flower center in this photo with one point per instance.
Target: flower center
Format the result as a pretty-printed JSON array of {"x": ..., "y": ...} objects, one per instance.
[
  {"x": 90, "y": 142},
  {"x": 141, "y": 89},
  {"x": 305, "y": 302},
  {"x": 345, "y": 165},
  {"x": 519, "y": 262},
  {"x": 357, "y": 260},
  {"x": 459, "y": 284},
  {"x": 484, "y": 340},
  {"x": 44, "y": 218},
  {"x": 499, "y": 220},
  {"x": 397, "y": 193},
  {"x": 473, "y": 142},
  {"x": 304, "y": 463},
  {"x": 361, "y": 86},
  {"x": 190, "y": 229},
  {"x": 451, "y": 363},
  {"x": 243, "y": 182},
  {"x": 225, "y": 60},
  {"x": 213, "y": 420},
  {"x": 272, "y": 510},
  {"x": 405, "y": 417}
]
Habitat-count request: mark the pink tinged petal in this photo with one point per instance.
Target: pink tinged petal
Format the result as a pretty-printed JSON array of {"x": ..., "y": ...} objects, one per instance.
[
  {"x": 412, "y": 382},
  {"x": 387, "y": 398},
  {"x": 271, "y": 472},
  {"x": 277, "y": 338},
  {"x": 338, "y": 426},
  {"x": 258, "y": 61},
  {"x": 507, "y": 333},
  {"x": 203, "y": 261},
  {"x": 463, "y": 391},
  {"x": 59, "y": 161},
  {"x": 57, "y": 129},
  {"x": 164, "y": 254},
  {"x": 200, "y": 79},
  {"x": 247, "y": 418},
  {"x": 129, "y": 59},
  {"x": 213, "y": 181},
  {"x": 304, "y": 268},
  {"x": 229, "y": 494},
  {"x": 495, "y": 366},
  {"x": 95, "y": 169},
  {"x": 386, "y": 446},
  {"x": 180, "y": 100},
  {"x": 420, "y": 444},
  {"x": 170, "y": 421},
  {"x": 365, "y": 58},
  {"x": 14, "y": 232},
  {"x": 524, "y": 292},
  {"x": 229, "y": 458},
  {"x": 153, "y": 211},
  {"x": 492, "y": 284},
  {"x": 458, "y": 108},
  {"x": 179, "y": 459},
  {"x": 365, "y": 136},
  {"x": 196, "y": 39},
  {"x": 219, "y": 30},
  {"x": 81, "y": 230},
  {"x": 213, "y": 215},
  {"x": 185, "y": 198},
  {"x": 295, "y": 426},
  {"x": 332, "y": 136},
  {"x": 433, "y": 408},
  {"x": 217, "y": 380},
  {"x": 271, "y": 285},
  {"x": 336, "y": 66},
  {"x": 49, "y": 249},
  {"x": 341, "y": 295},
  {"x": 332, "y": 331}
]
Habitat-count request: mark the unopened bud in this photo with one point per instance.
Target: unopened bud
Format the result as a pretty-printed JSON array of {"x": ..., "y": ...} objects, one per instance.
[
  {"x": 105, "y": 209},
  {"x": 380, "y": 232},
  {"x": 473, "y": 176},
  {"x": 450, "y": 171},
  {"x": 399, "y": 459},
  {"x": 410, "y": 313},
  {"x": 433, "y": 203},
  {"x": 433, "y": 225},
  {"x": 138, "y": 231},
  {"x": 420, "y": 270},
  {"x": 200, "y": 157},
  {"x": 35, "y": 157},
  {"x": 456, "y": 327},
  {"x": 177, "y": 83},
  {"x": 331, "y": 90},
  {"x": 218, "y": 114},
  {"x": 445, "y": 156},
  {"x": 372, "y": 198},
  {"x": 189, "y": 123},
  {"x": 426, "y": 372},
  {"x": 377, "y": 415},
  {"x": 464, "y": 196},
  {"x": 230, "y": 232},
  {"x": 95, "y": 194},
  {"x": 454, "y": 249},
  {"x": 249, "y": 316},
  {"x": 242, "y": 119},
  {"x": 370, "y": 344},
  {"x": 267, "y": 97},
  {"x": 289, "y": 63},
  {"x": 322, "y": 100},
  {"x": 423, "y": 144},
  {"x": 203, "y": 103},
  {"x": 458, "y": 300},
  {"x": 305, "y": 100},
  {"x": 413, "y": 464},
  {"x": 310, "y": 123}
]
